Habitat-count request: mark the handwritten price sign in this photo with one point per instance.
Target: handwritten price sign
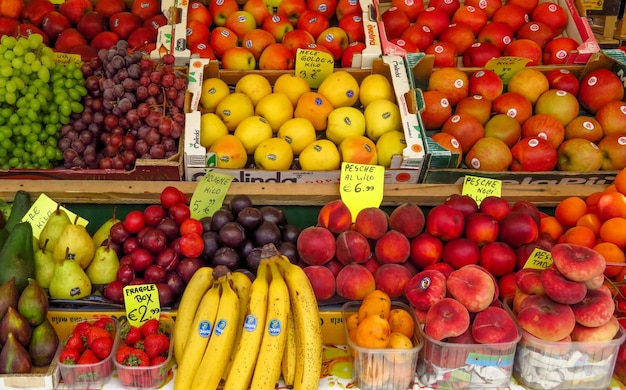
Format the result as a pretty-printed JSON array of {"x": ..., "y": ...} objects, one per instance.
[
  {"x": 142, "y": 303},
  {"x": 481, "y": 187},
  {"x": 209, "y": 194},
  {"x": 313, "y": 66},
  {"x": 361, "y": 186},
  {"x": 539, "y": 259}
]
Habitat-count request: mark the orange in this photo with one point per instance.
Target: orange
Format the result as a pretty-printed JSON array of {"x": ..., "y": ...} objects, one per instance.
[
  {"x": 612, "y": 254},
  {"x": 372, "y": 332},
  {"x": 592, "y": 221},
  {"x": 612, "y": 230},
  {"x": 592, "y": 201},
  {"x": 620, "y": 181},
  {"x": 314, "y": 107},
  {"x": 569, "y": 210},
  {"x": 376, "y": 303},
  {"x": 612, "y": 204},
  {"x": 551, "y": 226},
  {"x": 580, "y": 235},
  {"x": 610, "y": 188},
  {"x": 401, "y": 321}
]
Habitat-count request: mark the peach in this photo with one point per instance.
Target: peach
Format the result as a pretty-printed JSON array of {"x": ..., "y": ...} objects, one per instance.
[
  {"x": 496, "y": 290},
  {"x": 507, "y": 285},
  {"x": 473, "y": 287},
  {"x": 518, "y": 298},
  {"x": 425, "y": 288},
  {"x": 446, "y": 318},
  {"x": 546, "y": 319},
  {"x": 392, "y": 247},
  {"x": 371, "y": 222},
  {"x": 354, "y": 282},
  {"x": 495, "y": 206},
  {"x": 334, "y": 266},
  {"x": 352, "y": 247},
  {"x": 577, "y": 262},
  {"x": 335, "y": 216},
  {"x": 322, "y": 280},
  {"x": 595, "y": 309},
  {"x": 595, "y": 282},
  {"x": 426, "y": 249},
  {"x": 461, "y": 251},
  {"x": 392, "y": 279},
  {"x": 518, "y": 228},
  {"x": 497, "y": 258},
  {"x": 594, "y": 334},
  {"x": 316, "y": 245},
  {"x": 481, "y": 228},
  {"x": 464, "y": 338},
  {"x": 371, "y": 265},
  {"x": 464, "y": 203},
  {"x": 408, "y": 219},
  {"x": 445, "y": 222},
  {"x": 528, "y": 281},
  {"x": 494, "y": 325},
  {"x": 561, "y": 290},
  {"x": 444, "y": 268}
]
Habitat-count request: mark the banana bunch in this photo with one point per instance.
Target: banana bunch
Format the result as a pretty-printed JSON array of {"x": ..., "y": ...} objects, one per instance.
[{"x": 239, "y": 334}]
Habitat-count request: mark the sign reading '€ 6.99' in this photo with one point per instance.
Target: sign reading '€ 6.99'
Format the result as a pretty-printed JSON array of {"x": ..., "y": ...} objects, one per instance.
[
  {"x": 142, "y": 303},
  {"x": 361, "y": 186}
]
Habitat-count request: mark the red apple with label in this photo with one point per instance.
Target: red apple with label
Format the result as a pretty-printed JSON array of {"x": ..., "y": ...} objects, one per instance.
[
  {"x": 220, "y": 9},
  {"x": 347, "y": 58},
  {"x": 489, "y": 154},
  {"x": 72, "y": 9},
  {"x": 465, "y": 128},
  {"x": 34, "y": 11},
  {"x": 436, "y": 111},
  {"x": 599, "y": 87},
  {"x": 347, "y": 7},
  {"x": 28, "y": 29},
  {"x": 559, "y": 50},
  {"x": 276, "y": 57},
  {"x": 486, "y": 83},
  {"x": 513, "y": 104},
  {"x": 544, "y": 126},
  {"x": 259, "y": 9},
  {"x": 197, "y": 32},
  {"x": 524, "y": 48},
  {"x": 475, "y": 105},
  {"x": 124, "y": 23},
  {"x": 613, "y": 147},
  {"x": 579, "y": 155},
  {"x": 533, "y": 154},
  {"x": 198, "y": 11},
  {"x": 238, "y": 58},
  {"x": 408, "y": 47},
  {"x": 511, "y": 14},
  {"x": 444, "y": 53},
  {"x": 313, "y": 22},
  {"x": 412, "y": 8},
  {"x": 497, "y": 33},
  {"x": 536, "y": 31},
  {"x": 395, "y": 21},
  {"x": 612, "y": 117},
  {"x": 256, "y": 41},
  {"x": 585, "y": 127},
  {"x": 436, "y": 19},
  {"x": 335, "y": 40},
  {"x": 69, "y": 39},
  {"x": 460, "y": 35},
  {"x": 278, "y": 26},
  {"x": 91, "y": 24},
  {"x": 297, "y": 39},
  {"x": 240, "y": 22},
  {"x": 471, "y": 16},
  {"x": 552, "y": 14},
  {"x": 564, "y": 80},
  {"x": 448, "y": 6},
  {"x": 291, "y": 9},
  {"x": 203, "y": 50},
  {"x": 487, "y": 6},
  {"x": 155, "y": 22},
  {"x": 325, "y": 7},
  {"x": 353, "y": 26},
  {"x": 222, "y": 39},
  {"x": 419, "y": 36},
  {"x": 146, "y": 9},
  {"x": 479, "y": 53},
  {"x": 452, "y": 81}
]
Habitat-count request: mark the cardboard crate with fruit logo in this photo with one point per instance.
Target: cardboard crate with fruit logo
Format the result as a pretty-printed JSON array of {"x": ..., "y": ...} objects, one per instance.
[
  {"x": 528, "y": 125},
  {"x": 303, "y": 137},
  {"x": 467, "y": 33}
]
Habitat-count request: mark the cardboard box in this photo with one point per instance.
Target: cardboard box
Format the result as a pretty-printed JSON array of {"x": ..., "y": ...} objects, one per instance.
[
  {"x": 406, "y": 168},
  {"x": 441, "y": 168},
  {"x": 172, "y": 37},
  {"x": 577, "y": 28}
]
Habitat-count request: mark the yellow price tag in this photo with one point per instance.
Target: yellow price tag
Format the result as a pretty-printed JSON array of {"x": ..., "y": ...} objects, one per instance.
[
  {"x": 506, "y": 67},
  {"x": 313, "y": 66},
  {"x": 361, "y": 186},
  {"x": 481, "y": 187},
  {"x": 65, "y": 58},
  {"x": 142, "y": 303},
  {"x": 539, "y": 259},
  {"x": 41, "y": 210},
  {"x": 209, "y": 194}
]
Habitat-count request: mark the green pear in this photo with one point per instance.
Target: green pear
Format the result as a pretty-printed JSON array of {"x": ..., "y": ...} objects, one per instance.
[
  {"x": 44, "y": 266},
  {"x": 75, "y": 243},
  {"x": 56, "y": 223},
  {"x": 17, "y": 257},
  {"x": 103, "y": 231},
  {"x": 104, "y": 266},
  {"x": 69, "y": 280}
]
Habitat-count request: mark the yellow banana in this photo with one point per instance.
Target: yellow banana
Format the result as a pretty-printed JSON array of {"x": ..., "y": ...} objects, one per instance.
[
  {"x": 199, "y": 283},
  {"x": 241, "y": 284},
  {"x": 247, "y": 350},
  {"x": 307, "y": 324},
  {"x": 199, "y": 336},
  {"x": 288, "y": 364},
  {"x": 218, "y": 350},
  {"x": 267, "y": 370}
]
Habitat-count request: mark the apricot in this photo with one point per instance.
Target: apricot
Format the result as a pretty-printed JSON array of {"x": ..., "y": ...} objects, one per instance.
[
  {"x": 372, "y": 332},
  {"x": 401, "y": 321},
  {"x": 375, "y": 303}
]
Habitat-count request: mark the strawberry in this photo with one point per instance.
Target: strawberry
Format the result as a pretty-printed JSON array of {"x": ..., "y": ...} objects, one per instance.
[
  {"x": 156, "y": 344},
  {"x": 130, "y": 335},
  {"x": 69, "y": 356},
  {"x": 137, "y": 358},
  {"x": 149, "y": 327},
  {"x": 81, "y": 327},
  {"x": 94, "y": 333},
  {"x": 102, "y": 347},
  {"x": 122, "y": 353},
  {"x": 75, "y": 341},
  {"x": 155, "y": 361},
  {"x": 88, "y": 357},
  {"x": 106, "y": 323}
]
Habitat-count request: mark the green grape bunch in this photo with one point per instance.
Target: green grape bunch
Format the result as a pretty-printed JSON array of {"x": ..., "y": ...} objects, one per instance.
[{"x": 37, "y": 96}]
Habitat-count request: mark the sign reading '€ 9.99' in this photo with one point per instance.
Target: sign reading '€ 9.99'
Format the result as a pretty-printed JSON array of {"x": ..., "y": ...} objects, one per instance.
[
  {"x": 141, "y": 303},
  {"x": 361, "y": 186}
]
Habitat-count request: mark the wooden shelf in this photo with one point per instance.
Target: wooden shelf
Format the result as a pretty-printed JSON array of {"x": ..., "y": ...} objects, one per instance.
[{"x": 147, "y": 192}]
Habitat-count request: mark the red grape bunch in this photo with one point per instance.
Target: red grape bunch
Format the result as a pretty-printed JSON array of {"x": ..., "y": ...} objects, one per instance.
[{"x": 134, "y": 109}]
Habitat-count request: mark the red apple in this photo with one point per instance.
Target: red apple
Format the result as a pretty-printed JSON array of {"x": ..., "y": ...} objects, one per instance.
[
  {"x": 511, "y": 14},
  {"x": 544, "y": 126},
  {"x": 259, "y": 9},
  {"x": 353, "y": 26},
  {"x": 453, "y": 82},
  {"x": 599, "y": 87},
  {"x": 123, "y": 23},
  {"x": 579, "y": 155},
  {"x": 334, "y": 39},
  {"x": 222, "y": 39},
  {"x": 524, "y": 48},
  {"x": 238, "y": 58},
  {"x": 412, "y": 8},
  {"x": 155, "y": 22},
  {"x": 291, "y": 9},
  {"x": 276, "y": 57},
  {"x": 420, "y": 36},
  {"x": 110, "y": 7},
  {"x": 256, "y": 41},
  {"x": 559, "y": 50},
  {"x": 613, "y": 147},
  {"x": 465, "y": 128},
  {"x": 444, "y": 53},
  {"x": 536, "y": 31},
  {"x": 533, "y": 154},
  {"x": 68, "y": 39},
  {"x": 612, "y": 117},
  {"x": 471, "y": 16},
  {"x": 72, "y": 9},
  {"x": 488, "y": 6},
  {"x": 91, "y": 24},
  {"x": 460, "y": 35},
  {"x": 498, "y": 33},
  {"x": 104, "y": 40},
  {"x": 479, "y": 53},
  {"x": 297, "y": 39},
  {"x": 27, "y": 29},
  {"x": 86, "y": 52},
  {"x": 313, "y": 22},
  {"x": 552, "y": 14},
  {"x": 34, "y": 11},
  {"x": 8, "y": 26},
  {"x": 141, "y": 37},
  {"x": 146, "y": 9},
  {"x": 436, "y": 111},
  {"x": 198, "y": 32},
  {"x": 395, "y": 21},
  {"x": 353, "y": 49},
  {"x": 527, "y": 5},
  {"x": 198, "y": 11},
  {"x": 436, "y": 19},
  {"x": 513, "y": 104},
  {"x": 240, "y": 22},
  {"x": 564, "y": 80},
  {"x": 220, "y": 9},
  {"x": 486, "y": 83},
  {"x": 278, "y": 26},
  {"x": 347, "y": 7},
  {"x": 53, "y": 23},
  {"x": 407, "y": 46},
  {"x": 325, "y": 7},
  {"x": 448, "y": 6}
]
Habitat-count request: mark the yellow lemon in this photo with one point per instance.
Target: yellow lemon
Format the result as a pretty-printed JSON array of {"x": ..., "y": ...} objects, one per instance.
[
  {"x": 320, "y": 155},
  {"x": 252, "y": 131},
  {"x": 344, "y": 122},
  {"x": 212, "y": 92},
  {"x": 381, "y": 116},
  {"x": 234, "y": 108},
  {"x": 388, "y": 145},
  {"x": 314, "y": 107},
  {"x": 211, "y": 128},
  {"x": 375, "y": 86},
  {"x": 276, "y": 108},
  {"x": 340, "y": 88},
  {"x": 230, "y": 152},
  {"x": 291, "y": 85},
  {"x": 254, "y": 85},
  {"x": 273, "y": 154},
  {"x": 298, "y": 132},
  {"x": 358, "y": 149}
]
